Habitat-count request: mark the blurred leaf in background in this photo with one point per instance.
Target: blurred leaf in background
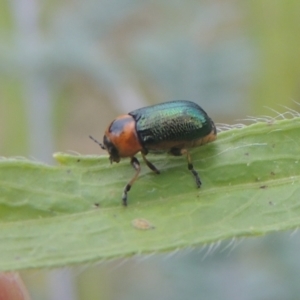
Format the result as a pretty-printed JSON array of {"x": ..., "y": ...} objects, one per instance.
[
  {"x": 113, "y": 56},
  {"x": 68, "y": 67}
]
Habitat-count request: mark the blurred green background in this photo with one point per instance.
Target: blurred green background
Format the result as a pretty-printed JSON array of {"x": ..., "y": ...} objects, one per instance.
[{"x": 67, "y": 68}]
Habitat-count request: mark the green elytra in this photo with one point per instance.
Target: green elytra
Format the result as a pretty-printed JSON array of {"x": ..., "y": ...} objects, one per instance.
[{"x": 171, "y": 121}]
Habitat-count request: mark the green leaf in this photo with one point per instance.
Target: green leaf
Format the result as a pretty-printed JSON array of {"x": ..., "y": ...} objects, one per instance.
[{"x": 69, "y": 214}]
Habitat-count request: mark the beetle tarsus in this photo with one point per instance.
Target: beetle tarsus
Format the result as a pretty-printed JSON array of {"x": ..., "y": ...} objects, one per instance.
[
  {"x": 124, "y": 196},
  {"x": 191, "y": 167},
  {"x": 195, "y": 174}
]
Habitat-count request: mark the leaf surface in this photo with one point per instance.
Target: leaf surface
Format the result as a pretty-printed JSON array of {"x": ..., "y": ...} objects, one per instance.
[{"x": 72, "y": 213}]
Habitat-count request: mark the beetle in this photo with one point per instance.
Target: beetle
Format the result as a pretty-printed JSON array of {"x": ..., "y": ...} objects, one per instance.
[{"x": 172, "y": 127}]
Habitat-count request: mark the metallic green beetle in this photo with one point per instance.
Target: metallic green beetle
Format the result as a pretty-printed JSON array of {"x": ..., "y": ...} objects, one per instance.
[{"x": 171, "y": 127}]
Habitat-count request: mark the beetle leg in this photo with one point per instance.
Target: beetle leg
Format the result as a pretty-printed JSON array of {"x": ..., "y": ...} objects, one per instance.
[
  {"x": 136, "y": 165},
  {"x": 191, "y": 167},
  {"x": 149, "y": 164}
]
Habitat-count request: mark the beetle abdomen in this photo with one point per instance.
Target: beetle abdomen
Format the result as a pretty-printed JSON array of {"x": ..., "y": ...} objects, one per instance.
[{"x": 173, "y": 124}]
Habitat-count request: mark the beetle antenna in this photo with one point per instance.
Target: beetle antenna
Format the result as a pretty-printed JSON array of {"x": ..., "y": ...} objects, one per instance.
[{"x": 97, "y": 142}]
